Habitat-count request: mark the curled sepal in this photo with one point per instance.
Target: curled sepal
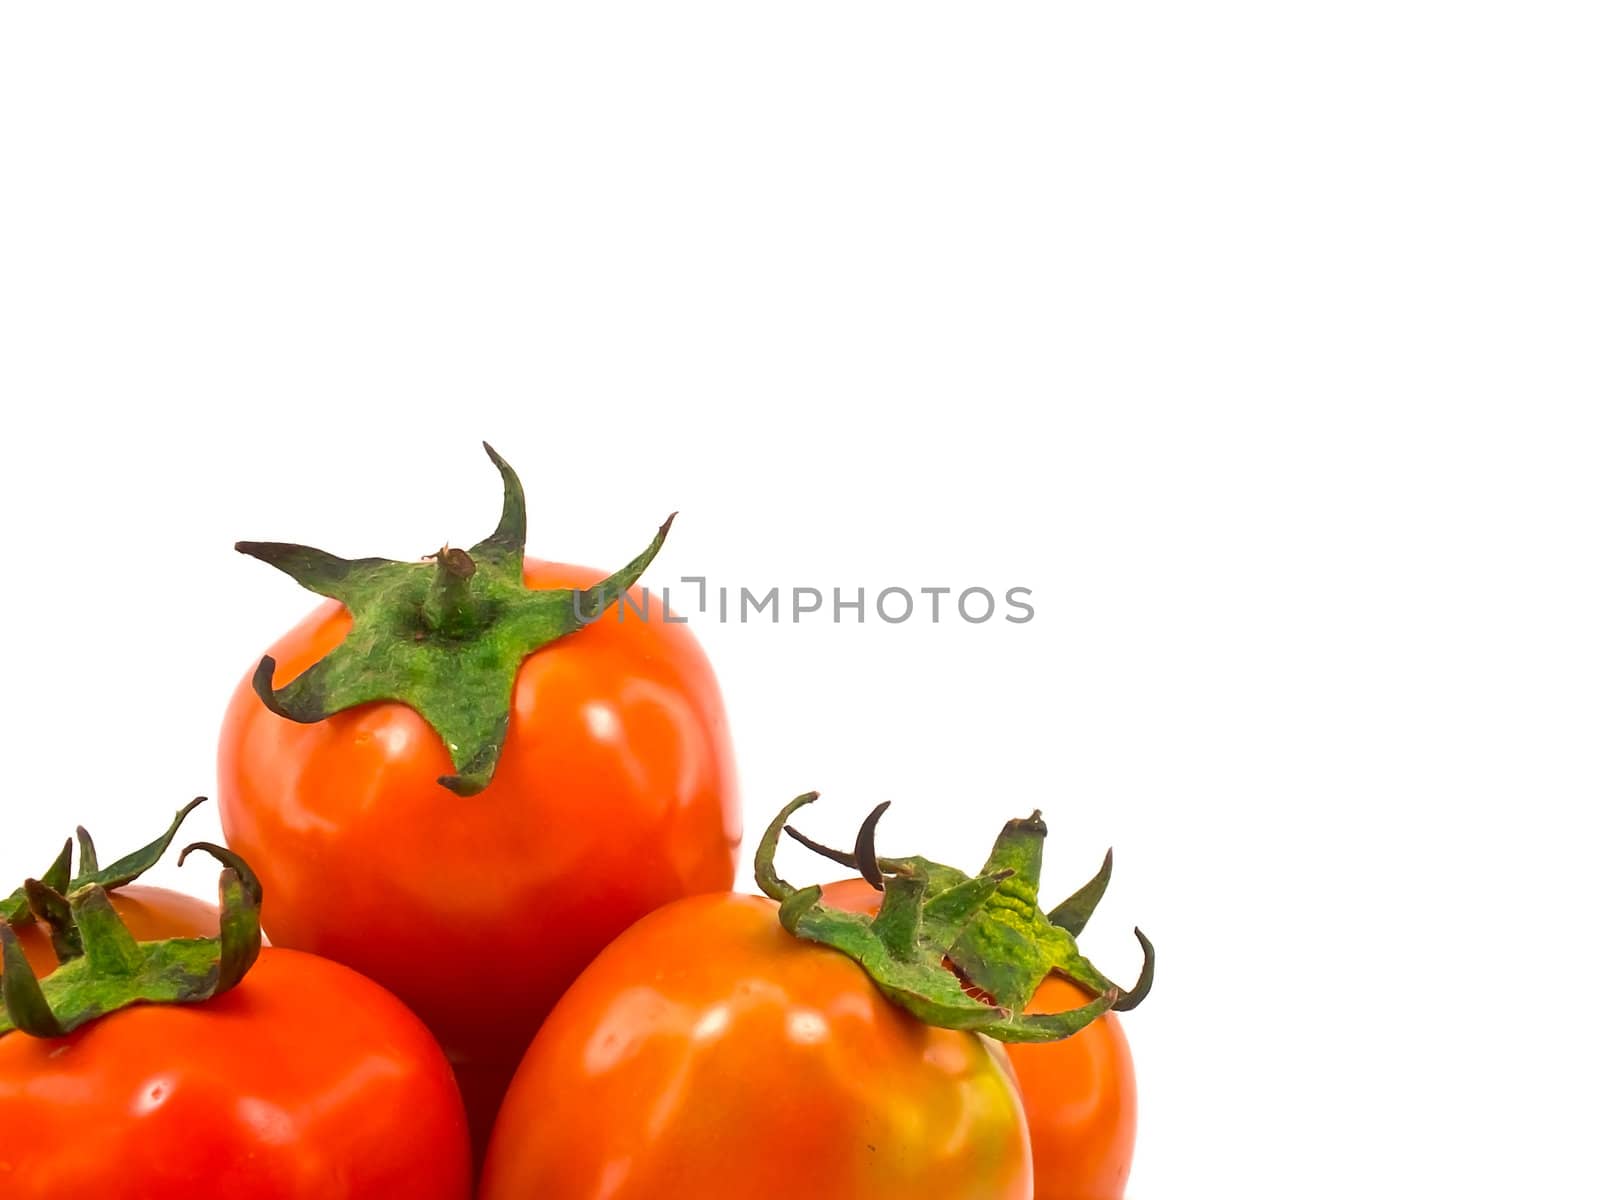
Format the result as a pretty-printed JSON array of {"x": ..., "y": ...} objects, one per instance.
[
  {"x": 114, "y": 971},
  {"x": 1052, "y": 1027},
  {"x": 239, "y": 929},
  {"x": 767, "y": 878},
  {"x": 19, "y": 910},
  {"x": 940, "y": 933},
  {"x": 128, "y": 868},
  {"x": 444, "y": 636},
  {"x": 1135, "y": 995}
]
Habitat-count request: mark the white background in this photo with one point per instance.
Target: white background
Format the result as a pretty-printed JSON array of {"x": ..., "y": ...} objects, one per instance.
[{"x": 1257, "y": 339}]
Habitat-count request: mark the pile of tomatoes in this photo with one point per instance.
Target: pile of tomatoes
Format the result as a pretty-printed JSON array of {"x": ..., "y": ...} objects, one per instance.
[{"x": 489, "y": 837}]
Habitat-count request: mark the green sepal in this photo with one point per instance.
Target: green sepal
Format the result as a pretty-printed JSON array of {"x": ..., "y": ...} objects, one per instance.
[
  {"x": 59, "y": 874},
  {"x": 114, "y": 971},
  {"x": 957, "y": 951},
  {"x": 445, "y": 636},
  {"x": 1073, "y": 913},
  {"x": 51, "y": 907},
  {"x": 17, "y": 909},
  {"x": 88, "y": 856}
]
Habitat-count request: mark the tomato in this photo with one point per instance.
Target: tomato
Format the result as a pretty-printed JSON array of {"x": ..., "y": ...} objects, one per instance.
[
  {"x": 708, "y": 1053},
  {"x": 1081, "y": 1102},
  {"x": 614, "y": 795},
  {"x": 1079, "y": 1093},
  {"x": 150, "y": 913},
  {"x": 304, "y": 1080}
]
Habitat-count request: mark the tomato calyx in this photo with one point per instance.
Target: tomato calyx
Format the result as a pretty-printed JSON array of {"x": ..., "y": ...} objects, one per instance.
[
  {"x": 18, "y": 909},
  {"x": 444, "y": 636},
  {"x": 958, "y": 951},
  {"x": 105, "y": 969}
]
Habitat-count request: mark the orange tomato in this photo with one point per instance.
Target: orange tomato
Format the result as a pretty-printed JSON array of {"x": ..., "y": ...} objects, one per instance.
[
  {"x": 708, "y": 1053},
  {"x": 615, "y": 795},
  {"x": 1081, "y": 1101},
  {"x": 1079, "y": 1093}
]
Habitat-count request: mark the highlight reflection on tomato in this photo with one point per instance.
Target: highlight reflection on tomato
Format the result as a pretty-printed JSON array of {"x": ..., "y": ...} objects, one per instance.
[{"x": 708, "y": 1053}]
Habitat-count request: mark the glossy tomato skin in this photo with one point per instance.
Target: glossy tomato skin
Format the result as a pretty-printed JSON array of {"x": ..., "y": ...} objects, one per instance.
[
  {"x": 1080, "y": 1094},
  {"x": 615, "y": 795},
  {"x": 152, "y": 914},
  {"x": 306, "y": 1080},
  {"x": 1082, "y": 1103},
  {"x": 708, "y": 1054}
]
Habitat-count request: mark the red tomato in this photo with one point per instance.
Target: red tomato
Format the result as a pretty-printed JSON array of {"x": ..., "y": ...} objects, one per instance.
[
  {"x": 1079, "y": 1093},
  {"x": 305, "y": 1080},
  {"x": 615, "y": 794},
  {"x": 706, "y": 1052},
  {"x": 150, "y": 913}
]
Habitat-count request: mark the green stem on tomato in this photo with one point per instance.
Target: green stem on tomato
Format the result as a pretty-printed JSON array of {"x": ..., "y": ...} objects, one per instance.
[
  {"x": 445, "y": 637},
  {"x": 941, "y": 935},
  {"x": 17, "y": 909},
  {"x": 113, "y": 971}
]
